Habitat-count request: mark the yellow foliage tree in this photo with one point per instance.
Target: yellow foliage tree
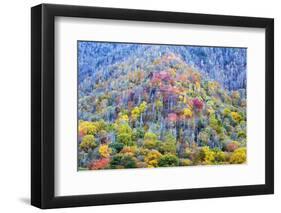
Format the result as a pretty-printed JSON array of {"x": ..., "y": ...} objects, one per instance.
[
  {"x": 187, "y": 113},
  {"x": 88, "y": 142},
  {"x": 87, "y": 128},
  {"x": 129, "y": 149},
  {"x": 158, "y": 104},
  {"x": 239, "y": 156},
  {"x": 212, "y": 86},
  {"x": 143, "y": 107},
  {"x": 135, "y": 114},
  {"x": 122, "y": 118},
  {"x": 197, "y": 85},
  {"x": 173, "y": 72},
  {"x": 210, "y": 111},
  {"x": 226, "y": 111},
  {"x": 152, "y": 158},
  {"x": 104, "y": 151},
  {"x": 181, "y": 97},
  {"x": 206, "y": 155},
  {"x": 236, "y": 116},
  {"x": 150, "y": 140}
]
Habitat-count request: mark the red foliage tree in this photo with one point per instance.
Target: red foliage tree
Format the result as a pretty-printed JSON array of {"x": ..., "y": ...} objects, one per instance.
[
  {"x": 99, "y": 164},
  {"x": 172, "y": 117},
  {"x": 197, "y": 103}
]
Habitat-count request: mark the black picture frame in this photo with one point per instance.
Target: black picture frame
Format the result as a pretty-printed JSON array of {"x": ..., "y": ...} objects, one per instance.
[{"x": 43, "y": 102}]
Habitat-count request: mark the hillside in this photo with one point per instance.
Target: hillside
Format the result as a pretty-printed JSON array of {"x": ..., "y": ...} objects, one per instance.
[
  {"x": 225, "y": 65},
  {"x": 137, "y": 113}
]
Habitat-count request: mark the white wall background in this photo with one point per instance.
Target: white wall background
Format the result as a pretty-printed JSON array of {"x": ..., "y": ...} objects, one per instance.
[{"x": 15, "y": 105}]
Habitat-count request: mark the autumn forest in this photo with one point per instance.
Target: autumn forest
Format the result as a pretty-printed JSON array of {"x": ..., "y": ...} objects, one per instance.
[{"x": 148, "y": 105}]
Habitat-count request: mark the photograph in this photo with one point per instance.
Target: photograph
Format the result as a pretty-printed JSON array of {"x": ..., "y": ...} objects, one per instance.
[
  {"x": 138, "y": 105},
  {"x": 159, "y": 105}
]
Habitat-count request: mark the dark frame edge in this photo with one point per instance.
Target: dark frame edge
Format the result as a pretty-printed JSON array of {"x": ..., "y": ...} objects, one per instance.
[
  {"x": 36, "y": 50},
  {"x": 158, "y": 196},
  {"x": 269, "y": 105},
  {"x": 48, "y": 108},
  {"x": 42, "y": 107}
]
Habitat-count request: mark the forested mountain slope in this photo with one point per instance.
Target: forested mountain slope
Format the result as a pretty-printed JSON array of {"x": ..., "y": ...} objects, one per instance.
[
  {"x": 147, "y": 107},
  {"x": 225, "y": 65}
]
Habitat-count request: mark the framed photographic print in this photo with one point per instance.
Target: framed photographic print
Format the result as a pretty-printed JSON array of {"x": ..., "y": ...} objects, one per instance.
[{"x": 139, "y": 106}]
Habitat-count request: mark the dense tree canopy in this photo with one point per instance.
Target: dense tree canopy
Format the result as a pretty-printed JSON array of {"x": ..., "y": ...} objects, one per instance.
[{"x": 143, "y": 106}]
